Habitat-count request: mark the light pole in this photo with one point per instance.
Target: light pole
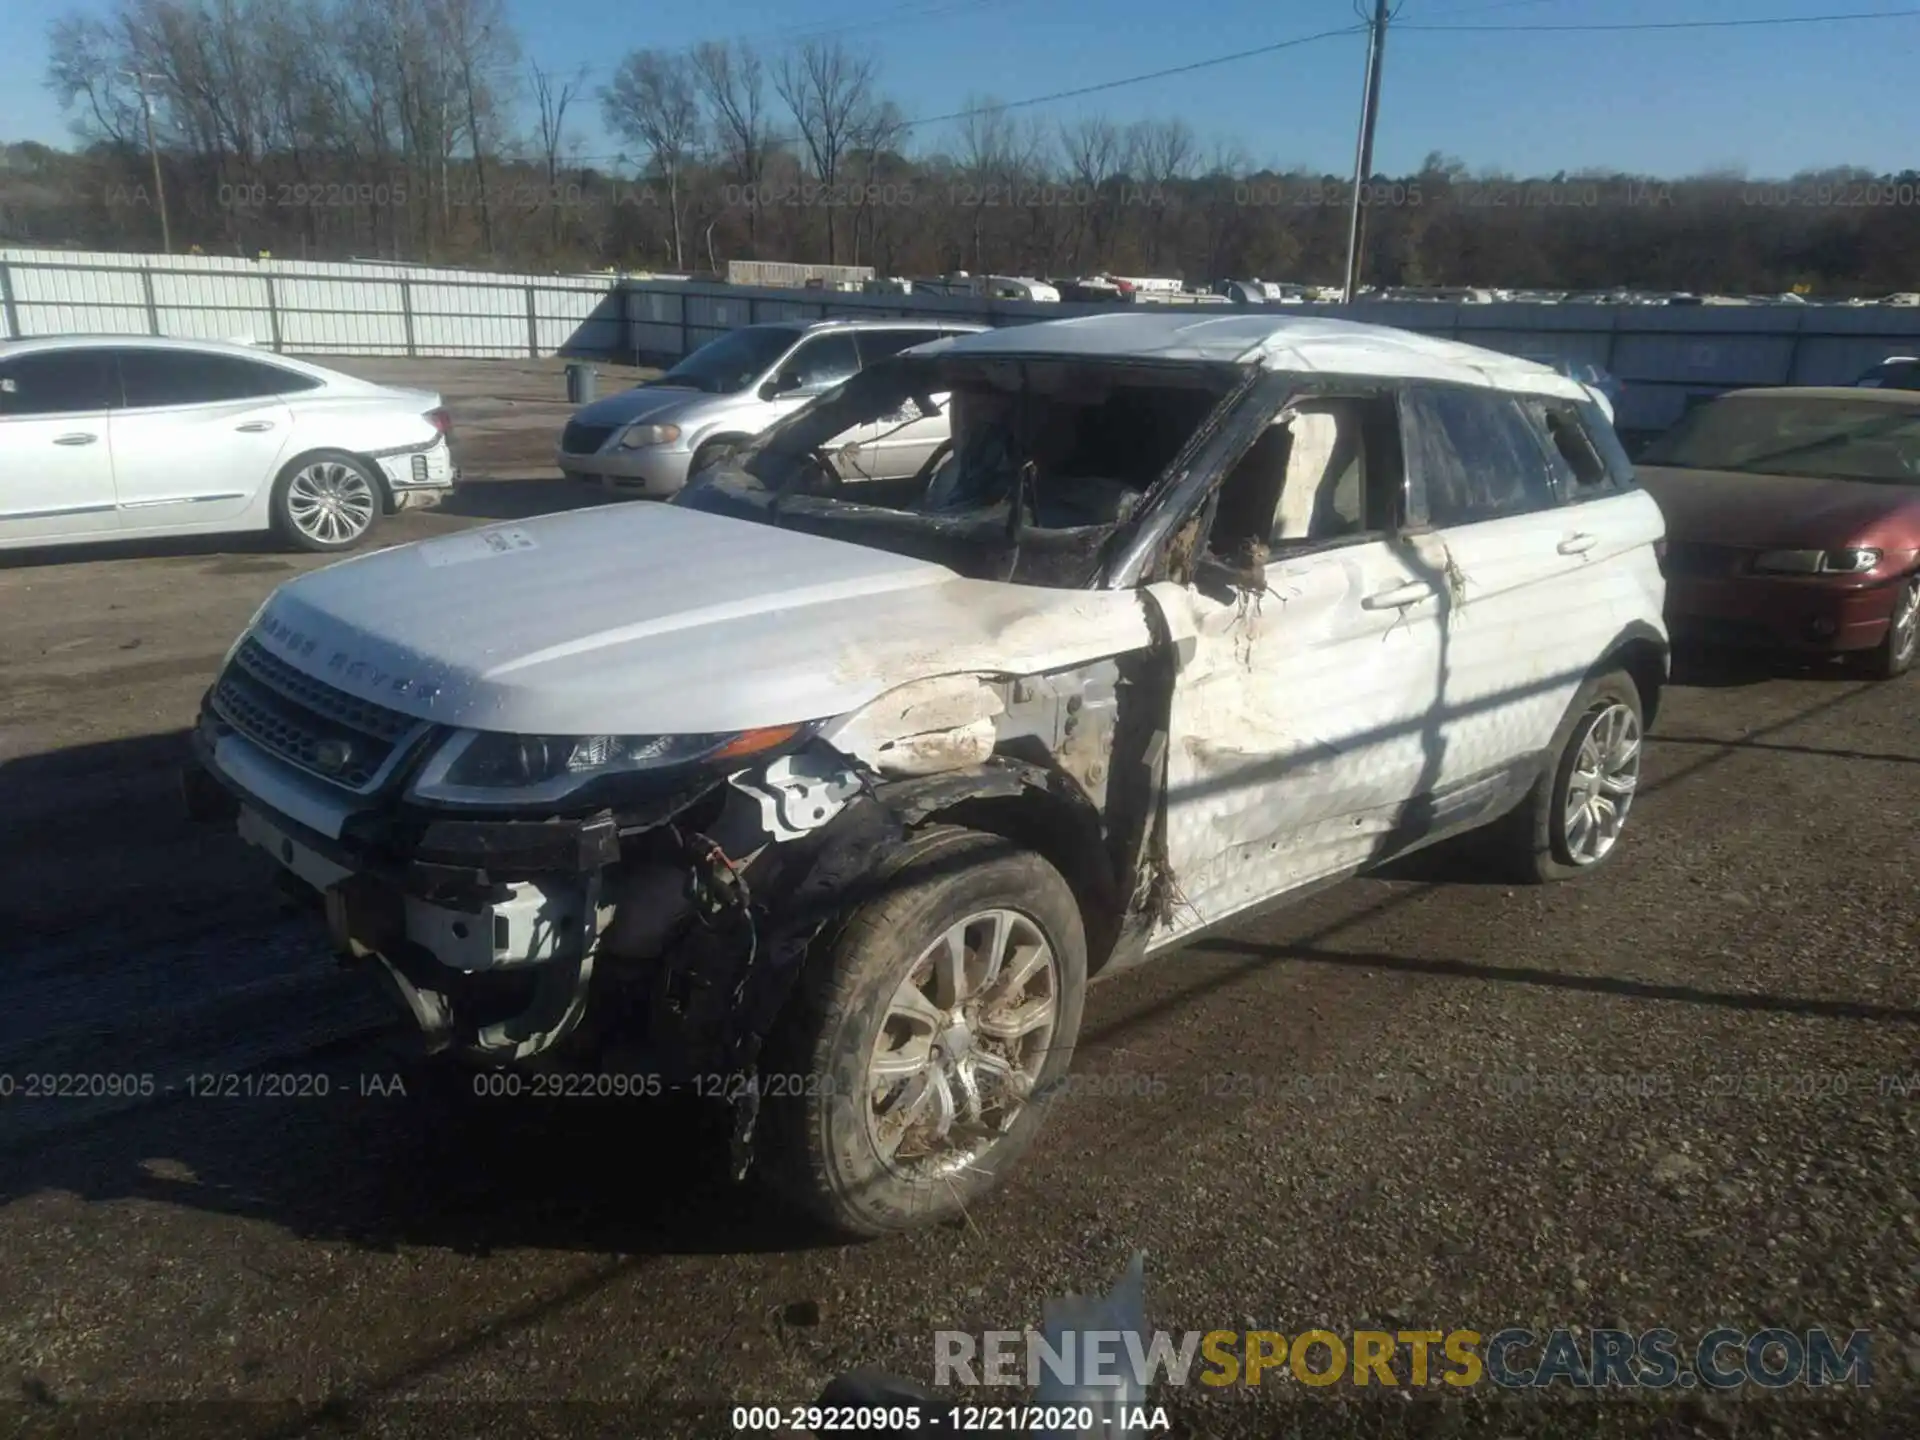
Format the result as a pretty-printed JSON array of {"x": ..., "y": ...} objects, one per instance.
[
  {"x": 1363, "y": 162},
  {"x": 140, "y": 78}
]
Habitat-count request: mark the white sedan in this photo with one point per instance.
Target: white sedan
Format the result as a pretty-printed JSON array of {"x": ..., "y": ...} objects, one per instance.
[{"x": 108, "y": 437}]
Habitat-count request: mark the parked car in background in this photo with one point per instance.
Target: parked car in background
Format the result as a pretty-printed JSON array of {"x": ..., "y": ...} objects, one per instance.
[
  {"x": 1896, "y": 372},
  {"x": 1793, "y": 522},
  {"x": 844, "y": 798},
  {"x": 116, "y": 437},
  {"x": 647, "y": 441}
]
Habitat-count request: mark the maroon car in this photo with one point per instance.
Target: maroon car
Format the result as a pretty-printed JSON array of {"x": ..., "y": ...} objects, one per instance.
[{"x": 1793, "y": 522}]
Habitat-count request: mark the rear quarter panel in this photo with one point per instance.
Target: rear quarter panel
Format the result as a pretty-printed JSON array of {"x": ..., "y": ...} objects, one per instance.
[{"x": 359, "y": 424}]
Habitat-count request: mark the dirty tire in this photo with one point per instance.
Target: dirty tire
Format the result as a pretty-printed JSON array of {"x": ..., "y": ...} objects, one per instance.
[
  {"x": 813, "y": 1143},
  {"x": 1530, "y": 844},
  {"x": 1894, "y": 655},
  {"x": 319, "y": 472}
]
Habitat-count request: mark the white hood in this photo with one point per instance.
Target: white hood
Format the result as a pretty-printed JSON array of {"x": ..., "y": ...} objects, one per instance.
[{"x": 651, "y": 619}]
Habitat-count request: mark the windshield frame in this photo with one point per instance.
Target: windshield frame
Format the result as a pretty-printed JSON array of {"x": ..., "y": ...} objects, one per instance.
[
  {"x": 1071, "y": 557},
  {"x": 1862, "y": 413},
  {"x": 795, "y": 331}
]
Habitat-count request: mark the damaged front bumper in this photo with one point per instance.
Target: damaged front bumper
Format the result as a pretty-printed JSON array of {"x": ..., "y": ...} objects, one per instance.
[{"x": 663, "y": 940}]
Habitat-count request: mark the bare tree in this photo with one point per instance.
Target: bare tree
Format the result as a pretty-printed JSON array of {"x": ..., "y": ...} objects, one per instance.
[
  {"x": 552, "y": 99},
  {"x": 1159, "y": 154},
  {"x": 732, "y": 79},
  {"x": 652, "y": 102},
  {"x": 831, "y": 94},
  {"x": 480, "y": 44},
  {"x": 1093, "y": 151},
  {"x": 82, "y": 70},
  {"x": 875, "y": 142},
  {"x": 984, "y": 149}
]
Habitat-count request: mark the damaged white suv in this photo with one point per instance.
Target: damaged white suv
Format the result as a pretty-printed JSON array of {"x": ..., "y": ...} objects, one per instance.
[{"x": 848, "y": 798}]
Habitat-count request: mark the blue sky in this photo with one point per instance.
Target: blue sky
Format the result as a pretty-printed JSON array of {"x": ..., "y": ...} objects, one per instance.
[{"x": 1768, "y": 101}]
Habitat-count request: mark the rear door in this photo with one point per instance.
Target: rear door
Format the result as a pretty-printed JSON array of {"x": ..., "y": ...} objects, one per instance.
[
  {"x": 56, "y": 467},
  {"x": 200, "y": 436},
  {"x": 1516, "y": 640}
]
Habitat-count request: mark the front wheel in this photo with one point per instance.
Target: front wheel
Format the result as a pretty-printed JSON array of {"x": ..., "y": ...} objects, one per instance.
[
  {"x": 911, "y": 1069},
  {"x": 1572, "y": 820},
  {"x": 326, "y": 502},
  {"x": 714, "y": 452},
  {"x": 1895, "y": 654}
]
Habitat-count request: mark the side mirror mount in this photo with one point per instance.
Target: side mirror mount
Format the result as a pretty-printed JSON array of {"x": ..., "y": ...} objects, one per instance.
[
  {"x": 1222, "y": 578},
  {"x": 786, "y": 382}
]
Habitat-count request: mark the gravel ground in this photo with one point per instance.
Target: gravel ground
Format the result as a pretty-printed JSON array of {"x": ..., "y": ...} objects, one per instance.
[{"x": 1684, "y": 1094}]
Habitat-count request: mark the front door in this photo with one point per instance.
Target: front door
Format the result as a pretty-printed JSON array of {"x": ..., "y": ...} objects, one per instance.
[
  {"x": 56, "y": 467},
  {"x": 1304, "y": 716}
]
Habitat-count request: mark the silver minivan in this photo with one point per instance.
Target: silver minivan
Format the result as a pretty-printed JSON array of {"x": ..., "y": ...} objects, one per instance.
[{"x": 648, "y": 440}]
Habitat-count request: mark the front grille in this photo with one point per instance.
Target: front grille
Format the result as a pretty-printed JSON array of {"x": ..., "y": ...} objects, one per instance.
[
  {"x": 293, "y": 716},
  {"x": 1690, "y": 558},
  {"x": 578, "y": 439}
]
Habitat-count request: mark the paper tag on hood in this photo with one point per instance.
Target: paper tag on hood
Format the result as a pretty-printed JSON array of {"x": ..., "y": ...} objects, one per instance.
[{"x": 475, "y": 545}]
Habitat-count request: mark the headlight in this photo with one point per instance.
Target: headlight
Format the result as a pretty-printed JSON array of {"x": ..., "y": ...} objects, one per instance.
[
  {"x": 1853, "y": 561},
  {"x": 486, "y": 768},
  {"x": 638, "y": 437}
]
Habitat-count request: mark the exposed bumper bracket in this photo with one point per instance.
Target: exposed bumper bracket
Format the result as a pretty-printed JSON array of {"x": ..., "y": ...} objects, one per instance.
[{"x": 560, "y": 999}]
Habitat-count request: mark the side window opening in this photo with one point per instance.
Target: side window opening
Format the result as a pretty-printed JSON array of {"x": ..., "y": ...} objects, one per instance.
[
  {"x": 1477, "y": 456},
  {"x": 1582, "y": 470},
  {"x": 58, "y": 382},
  {"x": 824, "y": 361},
  {"x": 1328, "y": 470}
]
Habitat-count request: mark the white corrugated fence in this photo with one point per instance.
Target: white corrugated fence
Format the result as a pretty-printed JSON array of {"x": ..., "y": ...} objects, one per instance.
[{"x": 309, "y": 306}]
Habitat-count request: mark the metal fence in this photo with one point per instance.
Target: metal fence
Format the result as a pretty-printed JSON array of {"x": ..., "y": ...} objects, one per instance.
[
  {"x": 310, "y": 307},
  {"x": 1666, "y": 357}
]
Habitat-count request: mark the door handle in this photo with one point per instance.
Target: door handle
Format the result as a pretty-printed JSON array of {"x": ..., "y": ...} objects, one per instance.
[
  {"x": 76, "y": 439},
  {"x": 254, "y": 427},
  {"x": 1577, "y": 544},
  {"x": 1408, "y": 594}
]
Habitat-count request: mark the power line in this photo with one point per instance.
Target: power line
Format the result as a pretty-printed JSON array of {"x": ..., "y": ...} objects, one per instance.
[
  {"x": 1752, "y": 23},
  {"x": 1105, "y": 85}
]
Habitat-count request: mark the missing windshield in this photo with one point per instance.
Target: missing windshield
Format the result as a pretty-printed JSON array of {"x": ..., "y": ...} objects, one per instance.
[{"x": 1004, "y": 469}]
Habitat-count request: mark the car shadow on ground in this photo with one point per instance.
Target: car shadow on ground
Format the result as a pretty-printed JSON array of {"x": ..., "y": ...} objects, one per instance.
[
  {"x": 523, "y": 497},
  {"x": 251, "y": 547},
  {"x": 1713, "y": 669},
  {"x": 392, "y": 1156}
]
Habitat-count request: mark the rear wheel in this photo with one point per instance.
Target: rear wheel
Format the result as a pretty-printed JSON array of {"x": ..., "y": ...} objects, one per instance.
[
  {"x": 327, "y": 501},
  {"x": 1895, "y": 654},
  {"x": 1572, "y": 820},
  {"x": 910, "y": 1072}
]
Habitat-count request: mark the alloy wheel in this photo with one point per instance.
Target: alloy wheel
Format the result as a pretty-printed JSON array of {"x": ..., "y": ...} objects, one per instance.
[
  {"x": 965, "y": 1037},
  {"x": 330, "y": 502},
  {"x": 1600, "y": 790},
  {"x": 1905, "y": 632}
]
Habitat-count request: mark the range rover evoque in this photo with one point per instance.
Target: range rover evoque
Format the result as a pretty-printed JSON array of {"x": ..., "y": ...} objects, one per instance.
[{"x": 849, "y": 791}]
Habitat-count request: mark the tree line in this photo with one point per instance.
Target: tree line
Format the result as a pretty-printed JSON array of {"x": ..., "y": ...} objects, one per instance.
[{"x": 416, "y": 130}]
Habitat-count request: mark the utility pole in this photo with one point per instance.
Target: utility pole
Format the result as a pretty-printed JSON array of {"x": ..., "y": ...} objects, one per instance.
[
  {"x": 1363, "y": 162},
  {"x": 140, "y": 78}
]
